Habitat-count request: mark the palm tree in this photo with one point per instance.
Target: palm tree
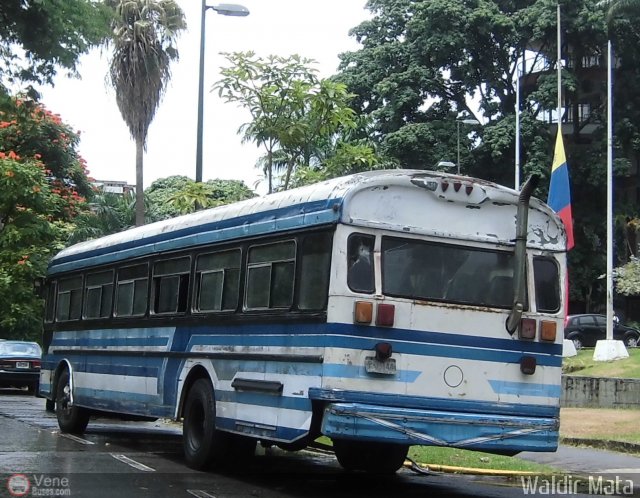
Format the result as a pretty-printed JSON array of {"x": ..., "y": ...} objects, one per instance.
[
  {"x": 108, "y": 213},
  {"x": 144, "y": 36},
  {"x": 622, "y": 8}
]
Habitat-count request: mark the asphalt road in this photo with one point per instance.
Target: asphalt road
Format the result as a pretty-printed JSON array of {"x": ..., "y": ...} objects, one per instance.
[{"x": 144, "y": 459}]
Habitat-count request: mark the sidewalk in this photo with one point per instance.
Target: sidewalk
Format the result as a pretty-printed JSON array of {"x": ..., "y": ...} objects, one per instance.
[{"x": 581, "y": 461}]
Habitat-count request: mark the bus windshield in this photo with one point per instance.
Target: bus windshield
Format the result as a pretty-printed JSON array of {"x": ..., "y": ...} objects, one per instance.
[{"x": 425, "y": 270}]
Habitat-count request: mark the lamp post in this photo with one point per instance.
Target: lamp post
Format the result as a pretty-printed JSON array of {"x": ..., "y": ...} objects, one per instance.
[
  {"x": 225, "y": 9},
  {"x": 465, "y": 121}
]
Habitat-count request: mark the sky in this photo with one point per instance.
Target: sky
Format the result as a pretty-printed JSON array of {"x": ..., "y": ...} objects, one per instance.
[{"x": 315, "y": 30}]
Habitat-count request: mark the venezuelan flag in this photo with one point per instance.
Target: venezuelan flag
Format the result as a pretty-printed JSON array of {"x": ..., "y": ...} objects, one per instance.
[{"x": 559, "y": 189}]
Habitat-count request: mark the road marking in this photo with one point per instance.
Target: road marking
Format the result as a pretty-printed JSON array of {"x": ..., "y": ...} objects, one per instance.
[
  {"x": 199, "y": 493},
  {"x": 74, "y": 438},
  {"x": 132, "y": 462}
]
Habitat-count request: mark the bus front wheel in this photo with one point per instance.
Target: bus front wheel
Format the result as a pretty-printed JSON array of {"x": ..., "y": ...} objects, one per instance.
[
  {"x": 71, "y": 418},
  {"x": 204, "y": 445},
  {"x": 378, "y": 458}
]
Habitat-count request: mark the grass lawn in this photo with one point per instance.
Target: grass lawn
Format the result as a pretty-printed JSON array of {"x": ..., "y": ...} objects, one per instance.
[
  {"x": 434, "y": 455},
  {"x": 583, "y": 364},
  {"x": 600, "y": 423}
]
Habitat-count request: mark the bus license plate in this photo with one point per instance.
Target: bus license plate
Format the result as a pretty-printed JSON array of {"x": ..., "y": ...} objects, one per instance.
[
  {"x": 22, "y": 364},
  {"x": 386, "y": 367}
]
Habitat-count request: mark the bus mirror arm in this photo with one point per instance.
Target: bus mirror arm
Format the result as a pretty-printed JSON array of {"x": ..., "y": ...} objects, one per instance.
[{"x": 520, "y": 259}]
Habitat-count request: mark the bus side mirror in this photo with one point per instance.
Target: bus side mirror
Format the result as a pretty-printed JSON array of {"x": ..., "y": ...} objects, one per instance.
[{"x": 38, "y": 287}]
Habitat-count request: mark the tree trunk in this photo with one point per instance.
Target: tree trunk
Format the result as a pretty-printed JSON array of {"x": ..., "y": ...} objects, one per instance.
[
  {"x": 288, "y": 176},
  {"x": 270, "y": 170},
  {"x": 139, "y": 183}
]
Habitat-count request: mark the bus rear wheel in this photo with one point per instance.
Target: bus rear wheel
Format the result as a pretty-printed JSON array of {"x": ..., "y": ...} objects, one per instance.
[
  {"x": 204, "y": 445},
  {"x": 71, "y": 418},
  {"x": 378, "y": 458}
]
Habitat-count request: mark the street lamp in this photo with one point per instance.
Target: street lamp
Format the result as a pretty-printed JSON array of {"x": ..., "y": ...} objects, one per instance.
[
  {"x": 465, "y": 121},
  {"x": 225, "y": 9}
]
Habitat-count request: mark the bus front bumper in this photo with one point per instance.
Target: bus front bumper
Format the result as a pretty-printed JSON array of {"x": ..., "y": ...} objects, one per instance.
[{"x": 474, "y": 431}]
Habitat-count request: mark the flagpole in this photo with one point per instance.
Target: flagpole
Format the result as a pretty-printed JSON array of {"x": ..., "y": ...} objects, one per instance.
[
  {"x": 517, "y": 158},
  {"x": 559, "y": 40},
  {"x": 609, "y": 195}
]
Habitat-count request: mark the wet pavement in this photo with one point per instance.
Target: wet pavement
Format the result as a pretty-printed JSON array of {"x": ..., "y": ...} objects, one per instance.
[
  {"x": 589, "y": 461},
  {"x": 115, "y": 458}
]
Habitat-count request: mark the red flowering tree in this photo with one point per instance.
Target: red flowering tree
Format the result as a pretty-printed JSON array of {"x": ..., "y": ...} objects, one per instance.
[{"x": 43, "y": 186}]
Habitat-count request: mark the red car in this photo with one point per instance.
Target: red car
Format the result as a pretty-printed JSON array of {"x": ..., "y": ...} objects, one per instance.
[{"x": 20, "y": 364}]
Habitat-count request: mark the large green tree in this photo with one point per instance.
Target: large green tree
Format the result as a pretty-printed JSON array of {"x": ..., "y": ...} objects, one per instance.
[
  {"x": 144, "y": 45},
  {"x": 296, "y": 116},
  {"x": 43, "y": 185},
  {"x": 39, "y": 37},
  {"x": 423, "y": 65}
]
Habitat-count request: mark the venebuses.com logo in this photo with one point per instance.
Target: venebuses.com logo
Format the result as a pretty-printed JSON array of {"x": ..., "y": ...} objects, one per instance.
[{"x": 38, "y": 485}]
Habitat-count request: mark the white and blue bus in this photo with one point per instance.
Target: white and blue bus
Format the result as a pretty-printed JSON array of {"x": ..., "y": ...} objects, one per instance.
[{"x": 383, "y": 310}]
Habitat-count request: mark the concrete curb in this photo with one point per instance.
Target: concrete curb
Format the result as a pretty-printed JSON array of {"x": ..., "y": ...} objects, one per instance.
[
  {"x": 602, "y": 444},
  {"x": 449, "y": 469}
]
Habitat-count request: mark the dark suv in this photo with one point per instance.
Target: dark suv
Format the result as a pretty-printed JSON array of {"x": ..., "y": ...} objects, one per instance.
[{"x": 586, "y": 330}]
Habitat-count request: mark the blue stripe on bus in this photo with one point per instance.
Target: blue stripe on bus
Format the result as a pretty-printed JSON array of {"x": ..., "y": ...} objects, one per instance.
[
  {"x": 109, "y": 341},
  {"x": 368, "y": 343},
  {"x": 431, "y": 403},
  {"x": 128, "y": 370},
  {"x": 266, "y": 400},
  {"x": 106, "y": 394},
  {"x": 439, "y": 344},
  {"x": 293, "y": 216},
  {"x": 525, "y": 388},
  {"x": 377, "y": 333}
]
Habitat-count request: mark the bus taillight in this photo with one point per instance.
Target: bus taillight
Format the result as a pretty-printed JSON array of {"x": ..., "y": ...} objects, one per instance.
[
  {"x": 527, "y": 328},
  {"x": 528, "y": 365},
  {"x": 547, "y": 331},
  {"x": 363, "y": 312},
  {"x": 385, "y": 315}
]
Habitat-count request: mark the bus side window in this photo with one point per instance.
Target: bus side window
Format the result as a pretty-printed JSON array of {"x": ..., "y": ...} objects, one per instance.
[
  {"x": 131, "y": 291},
  {"x": 217, "y": 281},
  {"x": 314, "y": 271},
  {"x": 270, "y": 275},
  {"x": 360, "y": 276},
  {"x": 171, "y": 285},
  {"x": 69, "y": 303},
  {"x": 98, "y": 295},
  {"x": 547, "y": 284}
]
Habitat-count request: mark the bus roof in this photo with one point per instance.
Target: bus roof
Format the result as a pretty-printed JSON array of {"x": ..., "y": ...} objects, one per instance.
[{"x": 394, "y": 199}]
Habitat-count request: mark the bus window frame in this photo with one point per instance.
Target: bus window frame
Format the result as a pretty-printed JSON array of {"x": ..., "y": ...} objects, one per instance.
[
  {"x": 269, "y": 264},
  {"x": 371, "y": 263},
  {"x": 85, "y": 298},
  {"x": 552, "y": 260},
  {"x": 115, "y": 313},
  {"x": 197, "y": 281},
  {"x": 157, "y": 279},
  {"x": 59, "y": 292}
]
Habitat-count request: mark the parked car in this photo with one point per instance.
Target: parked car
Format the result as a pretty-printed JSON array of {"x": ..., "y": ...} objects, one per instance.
[
  {"x": 586, "y": 330},
  {"x": 20, "y": 364}
]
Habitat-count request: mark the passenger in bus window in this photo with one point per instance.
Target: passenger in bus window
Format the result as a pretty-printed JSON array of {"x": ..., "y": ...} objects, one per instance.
[{"x": 360, "y": 276}]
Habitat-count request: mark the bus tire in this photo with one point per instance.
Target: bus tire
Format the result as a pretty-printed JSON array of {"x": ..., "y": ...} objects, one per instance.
[
  {"x": 375, "y": 458},
  {"x": 71, "y": 419},
  {"x": 204, "y": 445}
]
